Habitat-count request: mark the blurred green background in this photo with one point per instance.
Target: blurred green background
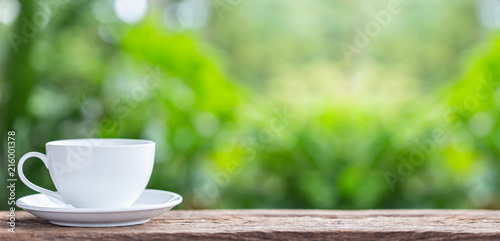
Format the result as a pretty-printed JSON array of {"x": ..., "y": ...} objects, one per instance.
[{"x": 266, "y": 104}]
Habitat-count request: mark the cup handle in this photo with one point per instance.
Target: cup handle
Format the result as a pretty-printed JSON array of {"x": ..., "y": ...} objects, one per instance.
[{"x": 42, "y": 157}]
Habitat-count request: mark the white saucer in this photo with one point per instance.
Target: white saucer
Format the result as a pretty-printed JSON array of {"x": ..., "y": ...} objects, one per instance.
[{"x": 150, "y": 204}]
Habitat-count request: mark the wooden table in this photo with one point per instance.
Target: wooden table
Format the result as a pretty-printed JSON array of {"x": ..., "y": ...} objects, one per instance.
[{"x": 279, "y": 224}]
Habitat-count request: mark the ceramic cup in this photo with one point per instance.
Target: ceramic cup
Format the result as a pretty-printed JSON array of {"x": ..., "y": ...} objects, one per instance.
[{"x": 95, "y": 173}]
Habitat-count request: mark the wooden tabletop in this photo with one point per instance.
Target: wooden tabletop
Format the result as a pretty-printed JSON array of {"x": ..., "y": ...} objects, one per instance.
[{"x": 279, "y": 224}]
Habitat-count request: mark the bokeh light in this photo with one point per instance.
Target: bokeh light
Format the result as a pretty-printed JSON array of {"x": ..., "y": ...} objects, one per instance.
[
  {"x": 9, "y": 9},
  {"x": 131, "y": 11},
  {"x": 489, "y": 13},
  {"x": 187, "y": 14}
]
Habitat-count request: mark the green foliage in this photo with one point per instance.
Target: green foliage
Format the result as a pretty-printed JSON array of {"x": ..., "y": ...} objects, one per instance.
[{"x": 262, "y": 110}]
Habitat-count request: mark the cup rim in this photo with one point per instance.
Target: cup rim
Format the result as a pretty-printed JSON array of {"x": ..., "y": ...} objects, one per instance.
[{"x": 98, "y": 142}]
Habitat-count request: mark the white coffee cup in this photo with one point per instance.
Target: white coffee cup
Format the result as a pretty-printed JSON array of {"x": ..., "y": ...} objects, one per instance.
[{"x": 95, "y": 173}]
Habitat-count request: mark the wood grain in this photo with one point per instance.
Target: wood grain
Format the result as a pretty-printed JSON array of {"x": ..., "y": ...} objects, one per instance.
[{"x": 280, "y": 225}]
